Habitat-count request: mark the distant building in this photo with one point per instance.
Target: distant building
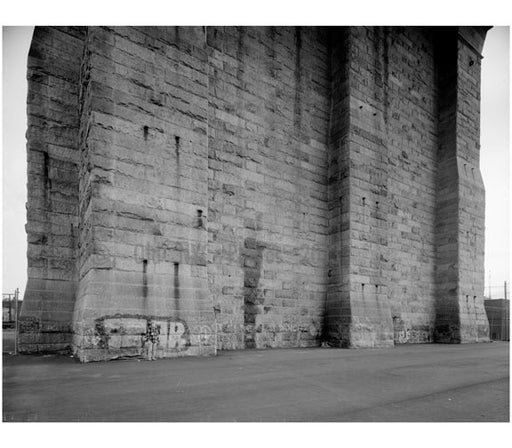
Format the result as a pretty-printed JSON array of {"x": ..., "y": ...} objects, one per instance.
[
  {"x": 498, "y": 314},
  {"x": 9, "y": 311}
]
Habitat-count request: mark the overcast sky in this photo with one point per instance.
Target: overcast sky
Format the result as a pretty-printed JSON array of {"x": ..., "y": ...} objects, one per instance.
[
  {"x": 495, "y": 162},
  {"x": 15, "y": 44},
  {"x": 495, "y": 157}
]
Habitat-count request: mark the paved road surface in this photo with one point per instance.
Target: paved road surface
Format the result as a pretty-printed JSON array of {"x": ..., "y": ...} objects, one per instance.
[{"x": 407, "y": 383}]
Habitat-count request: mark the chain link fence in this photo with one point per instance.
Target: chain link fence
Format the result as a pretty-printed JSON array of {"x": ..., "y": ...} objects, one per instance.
[{"x": 11, "y": 307}]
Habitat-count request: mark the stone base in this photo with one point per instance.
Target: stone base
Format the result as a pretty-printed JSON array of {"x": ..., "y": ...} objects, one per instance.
[
  {"x": 90, "y": 355},
  {"x": 36, "y": 336}
]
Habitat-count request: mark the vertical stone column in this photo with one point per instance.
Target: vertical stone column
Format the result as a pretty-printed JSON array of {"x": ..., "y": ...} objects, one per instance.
[
  {"x": 358, "y": 312},
  {"x": 372, "y": 324},
  {"x": 143, "y": 195},
  {"x": 338, "y": 307},
  {"x": 52, "y": 205},
  {"x": 460, "y": 314}
]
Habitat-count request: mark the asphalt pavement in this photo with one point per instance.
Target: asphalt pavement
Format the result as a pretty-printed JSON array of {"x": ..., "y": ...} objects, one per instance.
[{"x": 432, "y": 382}]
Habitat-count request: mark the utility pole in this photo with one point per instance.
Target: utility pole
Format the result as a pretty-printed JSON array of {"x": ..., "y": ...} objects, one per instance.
[
  {"x": 505, "y": 290},
  {"x": 16, "y": 294},
  {"x": 490, "y": 285}
]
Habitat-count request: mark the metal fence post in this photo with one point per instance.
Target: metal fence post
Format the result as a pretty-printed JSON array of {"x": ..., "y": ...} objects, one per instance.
[{"x": 10, "y": 308}]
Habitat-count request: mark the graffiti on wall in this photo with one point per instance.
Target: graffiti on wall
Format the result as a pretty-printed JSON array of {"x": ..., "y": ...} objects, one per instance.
[
  {"x": 143, "y": 335},
  {"x": 405, "y": 333}
]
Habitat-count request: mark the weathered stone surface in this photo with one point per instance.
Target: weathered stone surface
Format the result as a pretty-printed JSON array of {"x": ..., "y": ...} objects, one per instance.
[
  {"x": 252, "y": 187},
  {"x": 53, "y": 177}
]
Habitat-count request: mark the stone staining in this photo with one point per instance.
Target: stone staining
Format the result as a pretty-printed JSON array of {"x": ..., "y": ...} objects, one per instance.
[{"x": 194, "y": 189}]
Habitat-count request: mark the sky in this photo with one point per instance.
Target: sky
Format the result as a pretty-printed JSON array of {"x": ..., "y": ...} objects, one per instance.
[
  {"x": 495, "y": 157},
  {"x": 15, "y": 44},
  {"x": 495, "y": 160}
]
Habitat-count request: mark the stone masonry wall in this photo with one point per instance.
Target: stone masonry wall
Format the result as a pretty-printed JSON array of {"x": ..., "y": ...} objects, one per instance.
[
  {"x": 368, "y": 154},
  {"x": 474, "y": 324},
  {"x": 460, "y": 313},
  {"x": 411, "y": 127},
  {"x": 146, "y": 165},
  {"x": 267, "y": 213},
  {"x": 338, "y": 319},
  {"x": 388, "y": 167},
  {"x": 52, "y": 203},
  {"x": 211, "y": 188}
]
